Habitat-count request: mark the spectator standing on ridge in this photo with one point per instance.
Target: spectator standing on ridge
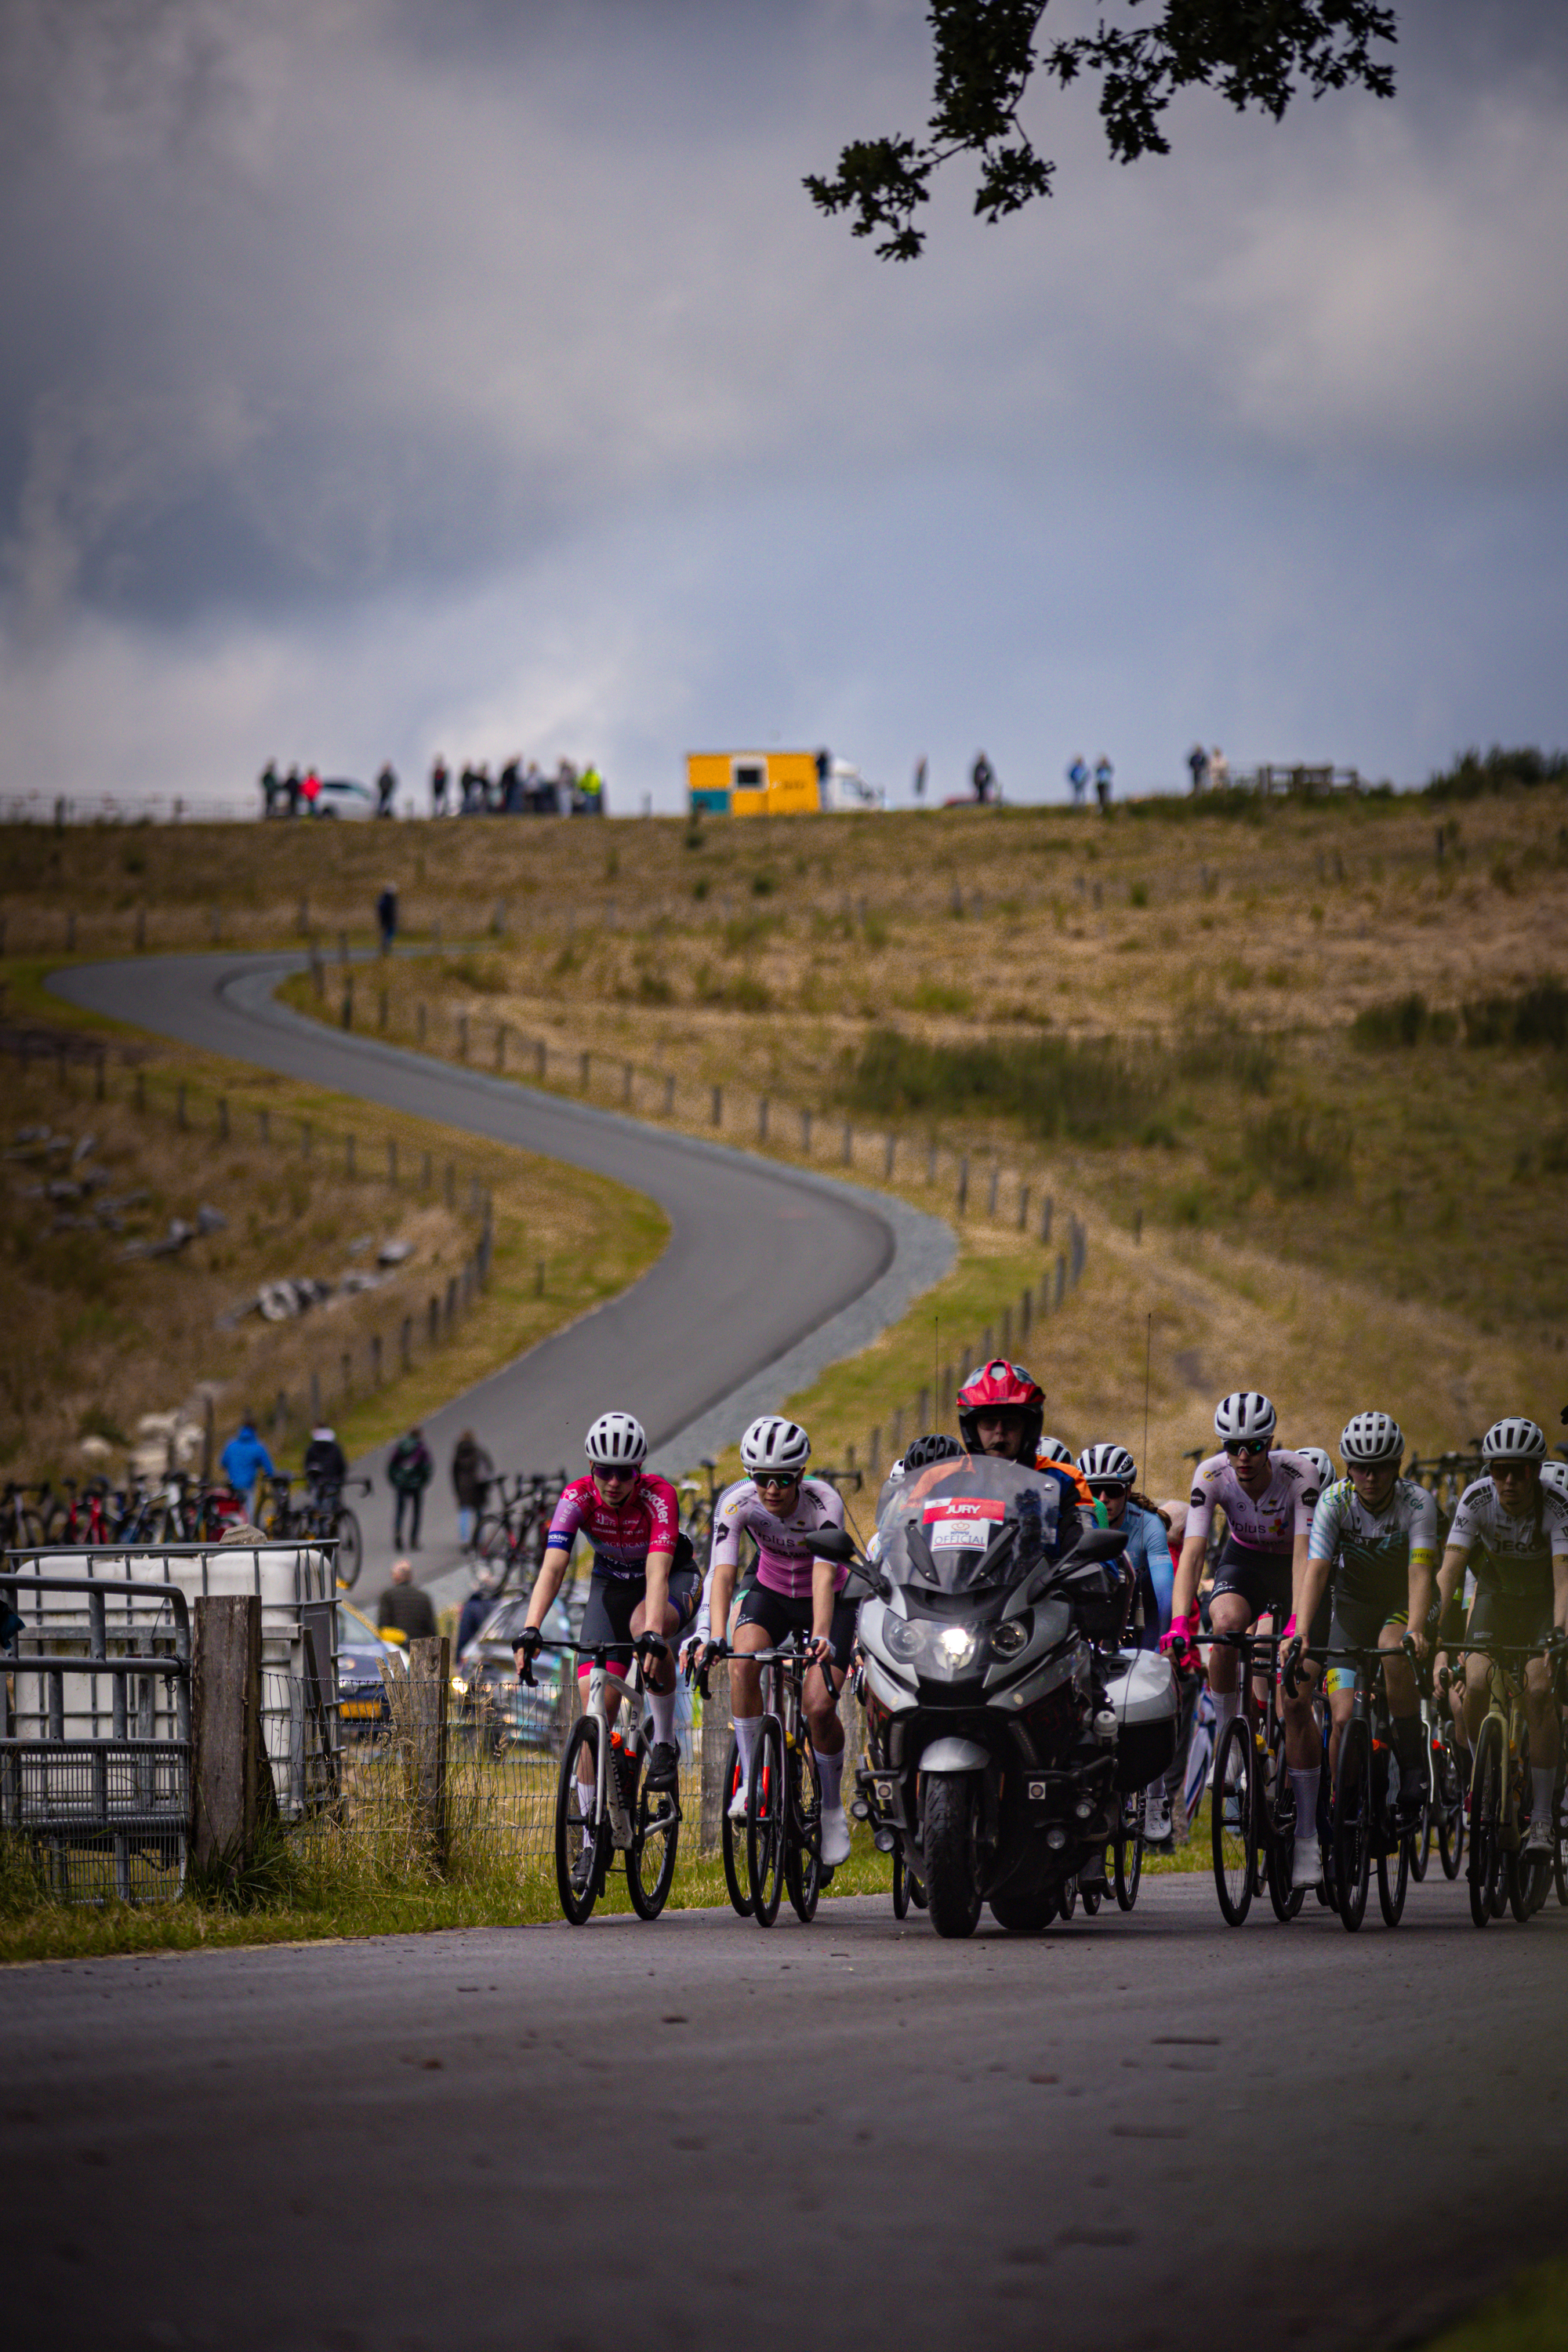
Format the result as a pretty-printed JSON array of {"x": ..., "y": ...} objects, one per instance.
[
  {"x": 982, "y": 777},
  {"x": 271, "y": 788},
  {"x": 385, "y": 787},
  {"x": 244, "y": 1460},
  {"x": 920, "y": 782},
  {"x": 386, "y": 916},
  {"x": 438, "y": 787},
  {"x": 1198, "y": 761},
  {"x": 410, "y": 1470},
  {"x": 1078, "y": 777},
  {"x": 472, "y": 1471},
  {"x": 1219, "y": 770},
  {"x": 1103, "y": 774},
  {"x": 406, "y": 1606},
  {"x": 310, "y": 791},
  {"x": 291, "y": 791}
]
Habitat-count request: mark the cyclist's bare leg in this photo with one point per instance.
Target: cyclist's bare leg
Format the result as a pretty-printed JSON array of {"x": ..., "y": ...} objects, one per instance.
[
  {"x": 1545, "y": 1735},
  {"x": 1303, "y": 1740},
  {"x": 1477, "y": 1680},
  {"x": 659, "y": 1673},
  {"x": 821, "y": 1707},
  {"x": 1228, "y": 1613}
]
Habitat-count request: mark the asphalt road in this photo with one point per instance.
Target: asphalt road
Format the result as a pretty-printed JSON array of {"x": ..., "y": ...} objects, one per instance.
[
  {"x": 771, "y": 1272},
  {"x": 1151, "y": 2131}
]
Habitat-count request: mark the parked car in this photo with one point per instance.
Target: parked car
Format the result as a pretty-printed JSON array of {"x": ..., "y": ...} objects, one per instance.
[
  {"x": 362, "y": 1694},
  {"x": 504, "y": 1712},
  {"x": 340, "y": 796}
]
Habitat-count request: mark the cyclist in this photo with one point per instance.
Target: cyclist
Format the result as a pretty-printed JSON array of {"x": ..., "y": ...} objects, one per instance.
[
  {"x": 1002, "y": 1412},
  {"x": 1519, "y": 1524},
  {"x": 1268, "y": 1495},
  {"x": 1109, "y": 1473},
  {"x": 1372, "y": 1553},
  {"x": 326, "y": 1463},
  {"x": 781, "y": 1509},
  {"x": 645, "y": 1581},
  {"x": 1323, "y": 1461}
]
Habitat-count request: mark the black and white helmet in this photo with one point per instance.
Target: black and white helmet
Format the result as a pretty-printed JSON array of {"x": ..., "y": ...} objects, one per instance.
[
  {"x": 1555, "y": 1476},
  {"x": 1322, "y": 1461},
  {"x": 1245, "y": 1413},
  {"x": 773, "y": 1443},
  {"x": 1513, "y": 1440},
  {"x": 1369, "y": 1437},
  {"x": 618, "y": 1441},
  {"x": 1108, "y": 1465},
  {"x": 1051, "y": 1449}
]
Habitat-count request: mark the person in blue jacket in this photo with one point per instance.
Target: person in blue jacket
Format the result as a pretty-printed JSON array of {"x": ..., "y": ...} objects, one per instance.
[
  {"x": 1109, "y": 1473},
  {"x": 244, "y": 1460}
]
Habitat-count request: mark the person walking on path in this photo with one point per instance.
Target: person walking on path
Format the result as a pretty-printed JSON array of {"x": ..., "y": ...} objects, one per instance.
[
  {"x": 410, "y": 1471},
  {"x": 1103, "y": 775},
  {"x": 1078, "y": 777},
  {"x": 386, "y": 916},
  {"x": 406, "y": 1607},
  {"x": 472, "y": 1471},
  {"x": 1198, "y": 761},
  {"x": 244, "y": 1460}
]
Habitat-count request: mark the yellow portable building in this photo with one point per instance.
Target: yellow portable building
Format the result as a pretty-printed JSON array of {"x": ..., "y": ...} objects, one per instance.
[{"x": 754, "y": 783}]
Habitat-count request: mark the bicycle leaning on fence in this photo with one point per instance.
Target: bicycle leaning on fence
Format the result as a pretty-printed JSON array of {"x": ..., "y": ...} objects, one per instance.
[{"x": 628, "y": 1818}]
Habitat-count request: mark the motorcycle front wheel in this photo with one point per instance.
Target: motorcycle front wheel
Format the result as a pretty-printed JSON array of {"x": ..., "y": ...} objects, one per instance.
[{"x": 953, "y": 1894}]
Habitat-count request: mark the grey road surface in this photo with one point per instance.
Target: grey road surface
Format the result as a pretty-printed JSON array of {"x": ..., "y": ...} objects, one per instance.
[
  {"x": 771, "y": 1273},
  {"x": 1151, "y": 2131}
]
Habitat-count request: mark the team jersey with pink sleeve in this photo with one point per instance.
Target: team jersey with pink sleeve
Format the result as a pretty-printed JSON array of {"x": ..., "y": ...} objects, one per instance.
[
  {"x": 649, "y": 1520},
  {"x": 783, "y": 1557},
  {"x": 1267, "y": 1522}
]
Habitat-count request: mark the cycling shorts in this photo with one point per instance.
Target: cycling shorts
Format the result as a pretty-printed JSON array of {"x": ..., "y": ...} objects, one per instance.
[
  {"x": 1513, "y": 1620},
  {"x": 1262, "y": 1579},
  {"x": 612, "y": 1601},
  {"x": 1357, "y": 1625},
  {"x": 779, "y": 1617}
]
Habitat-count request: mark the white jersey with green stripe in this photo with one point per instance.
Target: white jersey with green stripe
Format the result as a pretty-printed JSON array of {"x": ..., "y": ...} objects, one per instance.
[{"x": 1370, "y": 1552}]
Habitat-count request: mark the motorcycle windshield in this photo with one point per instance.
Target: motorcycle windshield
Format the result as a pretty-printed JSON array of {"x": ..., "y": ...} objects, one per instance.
[{"x": 966, "y": 1525}]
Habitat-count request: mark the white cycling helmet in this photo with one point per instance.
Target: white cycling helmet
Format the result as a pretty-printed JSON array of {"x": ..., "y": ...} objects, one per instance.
[
  {"x": 1051, "y": 1449},
  {"x": 1513, "y": 1440},
  {"x": 772, "y": 1443},
  {"x": 1321, "y": 1461},
  {"x": 1555, "y": 1475},
  {"x": 1369, "y": 1437},
  {"x": 1243, "y": 1415},
  {"x": 618, "y": 1441},
  {"x": 1108, "y": 1465}
]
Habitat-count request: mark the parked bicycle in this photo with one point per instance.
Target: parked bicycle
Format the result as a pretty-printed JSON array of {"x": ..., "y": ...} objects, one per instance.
[
  {"x": 1252, "y": 1804},
  {"x": 628, "y": 1819}
]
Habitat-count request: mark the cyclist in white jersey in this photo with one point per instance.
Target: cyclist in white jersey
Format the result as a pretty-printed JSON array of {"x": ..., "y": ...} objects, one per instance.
[
  {"x": 781, "y": 1509},
  {"x": 1372, "y": 1552},
  {"x": 1519, "y": 1524},
  {"x": 1268, "y": 1497}
]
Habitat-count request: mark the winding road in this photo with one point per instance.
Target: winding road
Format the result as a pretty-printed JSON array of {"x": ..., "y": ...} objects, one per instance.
[{"x": 771, "y": 1272}]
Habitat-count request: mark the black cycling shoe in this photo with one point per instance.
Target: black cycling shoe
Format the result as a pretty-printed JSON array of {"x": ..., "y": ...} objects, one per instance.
[
  {"x": 1409, "y": 1806},
  {"x": 582, "y": 1871},
  {"x": 663, "y": 1765}
]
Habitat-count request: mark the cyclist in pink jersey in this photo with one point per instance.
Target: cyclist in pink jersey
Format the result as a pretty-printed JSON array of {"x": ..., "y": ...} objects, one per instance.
[
  {"x": 1268, "y": 1495},
  {"x": 644, "y": 1580},
  {"x": 781, "y": 1509}
]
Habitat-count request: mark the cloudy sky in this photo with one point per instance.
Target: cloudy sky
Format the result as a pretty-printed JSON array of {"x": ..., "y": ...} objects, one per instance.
[{"x": 387, "y": 375}]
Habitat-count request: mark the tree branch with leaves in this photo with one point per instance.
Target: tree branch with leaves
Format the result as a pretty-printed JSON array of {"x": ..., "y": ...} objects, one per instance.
[{"x": 1259, "y": 55}]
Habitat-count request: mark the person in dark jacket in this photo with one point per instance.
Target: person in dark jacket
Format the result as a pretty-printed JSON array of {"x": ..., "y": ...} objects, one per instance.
[
  {"x": 410, "y": 1471},
  {"x": 326, "y": 1463},
  {"x": 475, "y": 1609},
  {"x": 472, "y": 1471},
  {"x": 386, "y": 917},
  {"x": 405, "y": 1605}
]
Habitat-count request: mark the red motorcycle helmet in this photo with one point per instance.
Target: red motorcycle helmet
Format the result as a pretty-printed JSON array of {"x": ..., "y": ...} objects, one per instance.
[{"x": 1007, "y": 1386}]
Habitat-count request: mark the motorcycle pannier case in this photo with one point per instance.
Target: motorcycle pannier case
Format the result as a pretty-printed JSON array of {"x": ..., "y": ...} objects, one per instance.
[{"x": 1143, "y": 1701}]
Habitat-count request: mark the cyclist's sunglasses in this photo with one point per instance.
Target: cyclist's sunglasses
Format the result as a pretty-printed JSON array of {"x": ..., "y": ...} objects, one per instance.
[
  {"x": 1251, "y": 1446},
  {"x": 1109, "y": 1487},
  {"x": 618, "y": 1471},
  {"x": 1519, "y": 1468},
  {"x": 775, "y": 1478}
]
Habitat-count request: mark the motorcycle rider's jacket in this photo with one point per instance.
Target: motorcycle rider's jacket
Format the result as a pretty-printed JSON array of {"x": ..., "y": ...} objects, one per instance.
[
  {"x": 1072, "y": 1477},
  {"x": 1267, "y": 1522},
  {"x": 622, "y": 1537}
]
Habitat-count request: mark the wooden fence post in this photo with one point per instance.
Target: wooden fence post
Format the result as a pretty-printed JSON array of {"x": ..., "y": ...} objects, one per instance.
[
  {"x": 226, "y": 1729},
  {"x": 430, "y": 1678}
]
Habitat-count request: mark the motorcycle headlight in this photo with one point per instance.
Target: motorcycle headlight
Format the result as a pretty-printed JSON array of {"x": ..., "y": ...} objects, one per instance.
[
  {"x": 459, "y": 1686},
  {"x": 1009, "y": 1638},
  {"x": 900, "y": 1638},
  {"x": 955, "y": 1645}
]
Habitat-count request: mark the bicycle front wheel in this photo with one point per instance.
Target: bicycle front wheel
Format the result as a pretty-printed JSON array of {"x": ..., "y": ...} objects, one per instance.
[
  {"x": 1352, "y": 1825},
  {"x": 767, "y": 1814},
  {"x": 1127, "y": 1869},
  {"x": 1450, "y": 1800},
  {"x": 901, "y": 1884},
  {"x": 650, "y": 1864},
  {"x": 1232, "y": 1814},
  {"x": 576, "y": 1829},
  {"x": 1486, "y": 1824},
  {"x": 1284, "y": 1895},
  {"x": 1560, "y": 1843},
  {"x": 351, "y": 1549},
  {"x": 802, "y": 1842},
  {"x": 733, "y": 1840}
]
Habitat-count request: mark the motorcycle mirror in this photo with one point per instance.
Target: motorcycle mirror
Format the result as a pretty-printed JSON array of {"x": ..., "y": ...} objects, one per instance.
[
  {"x": 863, "y": 1583},
  {"x": 1096, "y": 1543},
  {"x": 834, "y": 1543}
]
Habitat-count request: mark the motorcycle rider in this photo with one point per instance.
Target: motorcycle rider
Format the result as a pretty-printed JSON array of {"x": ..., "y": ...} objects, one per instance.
[{"x": 1002, "y": 1412}]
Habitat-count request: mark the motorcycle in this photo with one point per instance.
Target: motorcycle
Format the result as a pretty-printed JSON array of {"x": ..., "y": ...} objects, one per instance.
[{"x": 1007, "y": 1729}]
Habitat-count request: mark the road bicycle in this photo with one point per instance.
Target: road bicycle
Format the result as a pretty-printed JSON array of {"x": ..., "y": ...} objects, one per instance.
[
  {"x": 1448, "y": 1785},
  {"x": 783, "y": 1833},
  {"x": 640, "y": 1824},
  {"x": 21, "y": 1525},
  {"x": 1499, "y": 1878},
  {"x": 510, "y": 1539},
  {"x": 1252, "y": 1805},
  {"x": 1363, "y": 1824}
]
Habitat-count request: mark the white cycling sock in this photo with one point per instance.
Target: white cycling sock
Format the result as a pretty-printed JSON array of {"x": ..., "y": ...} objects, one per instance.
[
  {"x": 1542, "y": 1775},
  {"x": 746, "y": 1729},
  {"x": 1305, "y": 1783},
  {"x": 587, "y": 1796},
  {"x": 830, "y": 1773},
  {"x": 1226, "y": 1704},
  {"x": 661, "y": 1706}
]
